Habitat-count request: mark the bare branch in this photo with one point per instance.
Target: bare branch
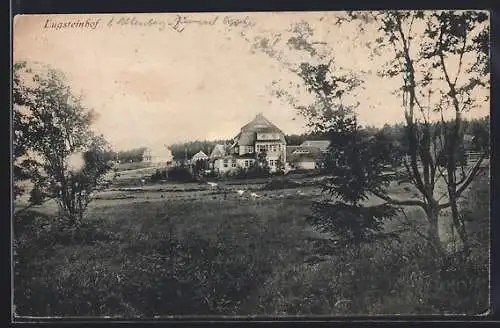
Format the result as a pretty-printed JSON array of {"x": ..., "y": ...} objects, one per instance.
[
  {"x": 462, "y": 51},
  {"x": 472, "y": 174},
  {"x": 392, "y": 201},
  {"x": 412, "y": 226}
]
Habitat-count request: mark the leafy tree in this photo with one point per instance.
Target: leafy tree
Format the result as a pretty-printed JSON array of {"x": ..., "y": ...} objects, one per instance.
[
  {"x": 21, "y": 162},
  {"x": 131, "y": 155},
  {"x": 186, "y": 150},
  {"x": 54, "y": 145},
  {"x": 441, "y": 58},
  {"x": 355, "y": 163},
  {"x": 280, "y": 165},
  {"x": 262, "y": 163},
  {"x": 200, "y": 166}
]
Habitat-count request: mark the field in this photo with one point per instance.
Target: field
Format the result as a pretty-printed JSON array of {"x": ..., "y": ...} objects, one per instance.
[{"x": 191, "y": 248}]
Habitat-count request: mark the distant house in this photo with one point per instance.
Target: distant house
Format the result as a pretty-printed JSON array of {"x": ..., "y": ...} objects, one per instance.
[
  {"x": 259, "y": 135},
  {"x": 146, "y": 156},
  {"x": 323, "y": 145},
  {"x": 304, "y": 157},
  {"x": 219, "y": 151},
  {"x": 220, "y": 161},
  {"x": 199, "y": 156}
]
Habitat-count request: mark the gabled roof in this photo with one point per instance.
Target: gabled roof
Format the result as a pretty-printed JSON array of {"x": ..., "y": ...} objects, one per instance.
[
  {"x": 199, "y": 155},
  {"x": 218, "y": 151},
  {"x": 321, "y": 144},
  {"x": 260, "y": 124}
]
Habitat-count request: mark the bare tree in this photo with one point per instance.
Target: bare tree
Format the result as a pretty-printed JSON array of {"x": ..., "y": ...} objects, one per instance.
[{"x": 434, "y": 149}]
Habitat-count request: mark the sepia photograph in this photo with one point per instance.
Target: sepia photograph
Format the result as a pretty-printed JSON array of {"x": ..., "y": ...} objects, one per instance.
[{"x": 251, "y": 164}]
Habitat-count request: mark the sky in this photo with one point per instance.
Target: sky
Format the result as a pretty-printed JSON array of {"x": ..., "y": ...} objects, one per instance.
[{"x": 156, "y": 79}]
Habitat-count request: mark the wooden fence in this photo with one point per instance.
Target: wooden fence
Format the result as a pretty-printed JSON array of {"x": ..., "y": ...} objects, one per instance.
[{"x": 472, "y": 158}]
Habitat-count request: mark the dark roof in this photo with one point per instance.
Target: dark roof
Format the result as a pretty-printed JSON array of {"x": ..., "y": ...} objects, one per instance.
[
  {"x": 246, "y": 138},
  {"x": 260, "y": 124},
  {"x": 225, "y": 157},
  {"x": 218, "y": 151},
  {"x": 245, "y": 156}
]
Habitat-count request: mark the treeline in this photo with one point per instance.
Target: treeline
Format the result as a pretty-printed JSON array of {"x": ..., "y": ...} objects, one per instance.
[
  {"x": 479, "y": 128},
  {"x": 131, "y": 155},
  {"x": 186, "y": 150}
]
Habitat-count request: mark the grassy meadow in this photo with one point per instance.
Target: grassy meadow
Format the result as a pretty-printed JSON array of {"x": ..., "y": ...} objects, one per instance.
[{"x": 190, "y": 249}]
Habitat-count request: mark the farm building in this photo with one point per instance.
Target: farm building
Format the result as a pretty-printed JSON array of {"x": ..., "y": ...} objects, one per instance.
[
  {"x": 304, "y": 157},
  {"x": 322, "y": 145},
  {"x": 199, "y": 156}
]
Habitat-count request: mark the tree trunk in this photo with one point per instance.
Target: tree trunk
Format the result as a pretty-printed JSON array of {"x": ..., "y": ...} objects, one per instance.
[
  {"x": 432, "y": 213},
  {"x": 458, "y": 224}
]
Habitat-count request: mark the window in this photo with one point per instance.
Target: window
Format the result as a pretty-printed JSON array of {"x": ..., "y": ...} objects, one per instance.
[
  {"x": 233, "y": 164},
  {"x": 225, "y": 163},
  {"x": 271, "y": 162},
  {"x": 250, "y": 149},
  {"x": 247, "y": 163},
  {"x": 273, "y": 147}
]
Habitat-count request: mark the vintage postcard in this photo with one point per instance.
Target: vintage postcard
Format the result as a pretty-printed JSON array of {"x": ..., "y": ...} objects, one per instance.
[{"x": 265, "y": 164}]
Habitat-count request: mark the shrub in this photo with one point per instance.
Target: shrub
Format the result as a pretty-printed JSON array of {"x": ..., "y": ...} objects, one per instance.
[
  {"x": 280, "y": 183},
  {"x": 181, "y": 174},
  {"x": 386, "y": 278},
  {"x": 159, "y": 175},
  {"x": 37, "y": 196}
]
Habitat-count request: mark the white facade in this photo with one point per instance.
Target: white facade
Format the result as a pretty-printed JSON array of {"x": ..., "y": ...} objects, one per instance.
[
  {"x": 244, "y": 163},
  {"x": 199, "y": 156},
  {"x": 305, "y": 165},
  {"x": 231, "y": 164}
]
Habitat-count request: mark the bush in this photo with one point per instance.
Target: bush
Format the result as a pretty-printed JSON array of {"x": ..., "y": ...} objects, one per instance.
[
  {"x": 37, "y": 196},
  {"x": 42, "y": 289},
  {"x": 181, "y": 174},
  {"x": 280, "y": 183},
  {"x": 159, "y": 175},
  {"x": 386, "y": 278}
]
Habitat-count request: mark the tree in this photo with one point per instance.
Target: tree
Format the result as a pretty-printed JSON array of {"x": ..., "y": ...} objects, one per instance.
[
  {"x": 355, "y": 163},
  {"x": 262, "y": 163},
  {"x": 54, "y": 144},
  {"x": 200, "y": 166},
  {"x": 21, "y": 163},
  {"x": 280, "y": 166},
  {"x": 186, "y": 150},
  {"x": 441, "y": 58},
  {"x": 131, "y": 155}
]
